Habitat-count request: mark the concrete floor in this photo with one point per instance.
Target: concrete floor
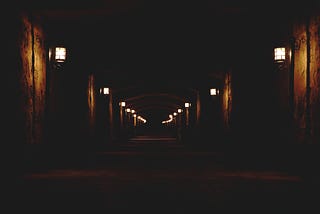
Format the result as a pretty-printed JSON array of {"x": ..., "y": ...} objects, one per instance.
[{"x": 162, "y": 176}]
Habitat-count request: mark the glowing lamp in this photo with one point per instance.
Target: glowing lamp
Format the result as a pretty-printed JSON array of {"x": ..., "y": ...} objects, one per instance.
[
  {"x": 187, "y": 105},
  {"x": 279, "y": 54},
  {"x": 60, "y": 54},
  {"x": 214, "y": 91},
  {"x": 104, "y": 91}
]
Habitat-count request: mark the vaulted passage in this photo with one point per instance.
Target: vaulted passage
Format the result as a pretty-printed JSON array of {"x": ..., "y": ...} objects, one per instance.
[{"x": 121, "y": 106}]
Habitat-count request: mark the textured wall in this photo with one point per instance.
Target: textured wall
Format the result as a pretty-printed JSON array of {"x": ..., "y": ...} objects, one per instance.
[
  {"x": 32, "y": 78},
  {"x": 315, "y": 77},
  {"x": 91, "y": 103},
  {"x": 227, "y": 100},
  {"x": 301, "y": 82},
  {"x": 26, "y": 80},
  {"x": 39, "y": 76},
  {"x": 300, "y": 79}
]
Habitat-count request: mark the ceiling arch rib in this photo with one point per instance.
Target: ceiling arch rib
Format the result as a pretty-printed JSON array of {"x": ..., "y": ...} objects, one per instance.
[
  {"x": 170, "y": 108},
  {"x": 155, "y": 114},
  {"x": 154, "y": 97},
  {"x": 153, "y": 100},
  {"x": 155, "y": 107}
]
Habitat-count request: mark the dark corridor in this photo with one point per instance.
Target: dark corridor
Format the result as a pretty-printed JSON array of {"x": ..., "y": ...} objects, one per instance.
[{"x": 129, "y": 106}]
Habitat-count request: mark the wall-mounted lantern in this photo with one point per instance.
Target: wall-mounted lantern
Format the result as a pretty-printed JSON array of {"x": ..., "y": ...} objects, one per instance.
[
  {"x": 214, "y": 91},
  {"x": 57, "y": 56},
  {"x": 104, "y": 90},
  {"x": 122, "y": 104},
  {"x": 187, "y": 106},
  {"x": 60, "y": 54},
  {"x": 279, "y": 54}
]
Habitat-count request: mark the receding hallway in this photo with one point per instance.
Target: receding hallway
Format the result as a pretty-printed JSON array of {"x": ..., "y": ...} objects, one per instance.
[{"x": 127, "y": 106}]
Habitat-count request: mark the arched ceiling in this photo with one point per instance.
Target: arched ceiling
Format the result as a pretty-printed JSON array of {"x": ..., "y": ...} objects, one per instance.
[{"x": 155, "y": 104}]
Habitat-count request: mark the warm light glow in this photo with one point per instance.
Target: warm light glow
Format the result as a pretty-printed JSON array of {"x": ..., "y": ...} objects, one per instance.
[
  {"x": 142, "y": 119},
  {"x": 170, "y": 116},
  {"x": 50, "y": 54},
  {"x": 128, "y": 110},
  {"x": 179, "y": 110},
  {"x": 91, "y": 100},
  {"x": 122, "y": 104},
  {"x": 60, "y": 54},
  {"x": 279, "y": 54},
  {"x": 214, "y": 91},
  {"x": 104, "y": 90},
  {"x": 132, "y": 111},
  {"x": 174, "y": 113},
  {"x": 290, "y": 54},
  {"x": 134, "y": 120},
  {"x": 187, "y": 105},
  {"x": 167, "y": 121}
]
